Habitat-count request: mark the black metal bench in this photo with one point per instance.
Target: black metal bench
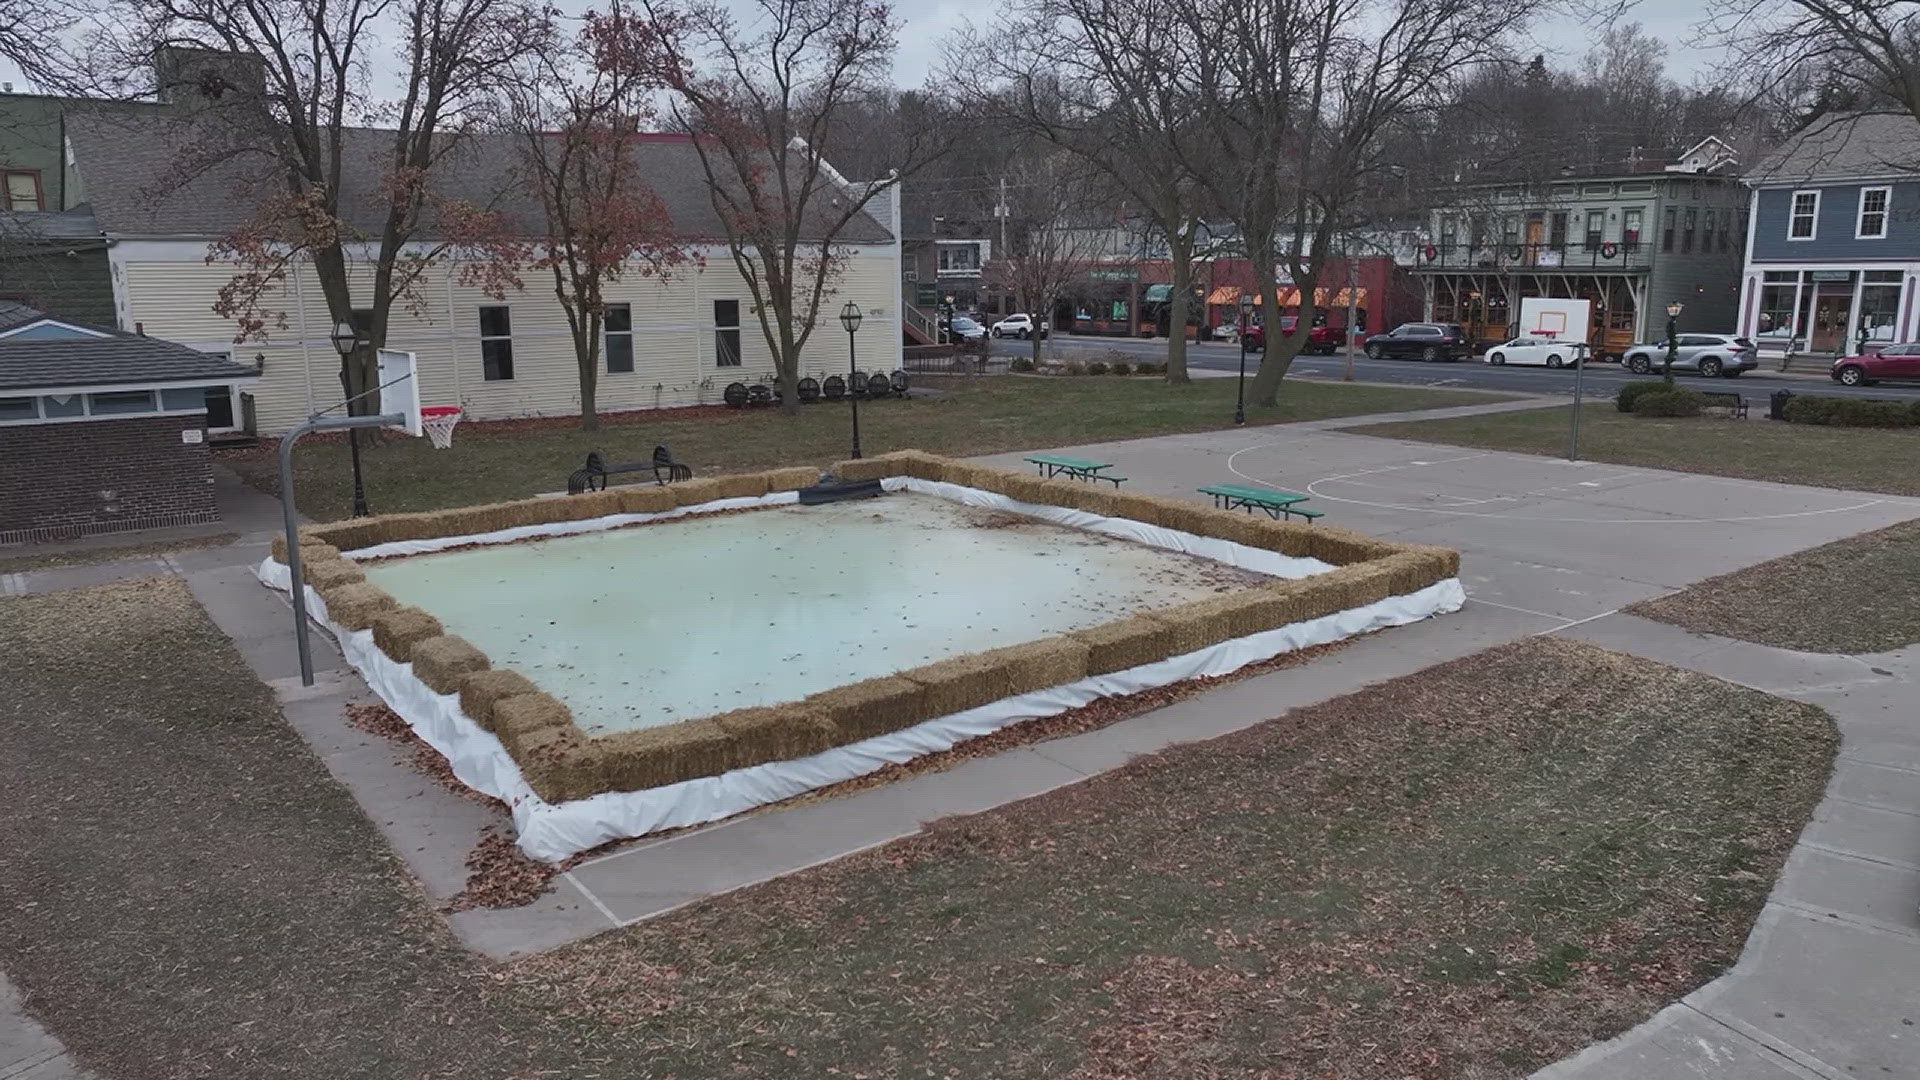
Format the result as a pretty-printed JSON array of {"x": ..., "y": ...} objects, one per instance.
[
  {"x": 1733, "y": 403},
  {"x": 593, "y": 475}
]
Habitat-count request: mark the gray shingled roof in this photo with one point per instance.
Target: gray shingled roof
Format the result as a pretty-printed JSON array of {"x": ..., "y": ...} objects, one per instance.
[
  {"x": 1838, "y": 147},
  {"x": 118, "y": 358},
  {"x": 133, "y": 177},
  {"x": 75, "y": 224}
]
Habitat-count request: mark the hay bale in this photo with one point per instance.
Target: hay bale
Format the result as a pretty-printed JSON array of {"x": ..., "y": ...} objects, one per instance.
[
  {"x": 800, "y": 476},
  {"x": 1416, "y": 568},
  {"x": 1116, "y": 646},
  {"x": 567, "y": 772},
  {"x": 915, "y": 463},
  {"x": 740, "y": 485},
  {"x": 1344, "y": 547},
  {"x": 326, "y": 573},
  {"x": 525, "y": 722},
  {"x": 1028, "y": 489},
  {"x": 1358, "y": 585},
  {"x": 352, "y": 606},
  {"x": 344, "y": 535},
  {"x": 967, "y": 474},
  {"x": 668, "y": 754},
  {"x": 645, "y": 498},
  {"x": 481, "y": 690},
  {"x": 582, "y": 507},
  {"x": 396, "y": 630},
  {"x": 1081, "y": 495},
  {"x": 441, "y": 662},
  {"x": 776, "y": 733},
  {"x": 311, "y": 547},
  {"x": 391, "y": 528},
  {"x": 694, "y": 492},
  {"x": 967, "y": 682},
  {"x": 872, "y": 707},
  {"x": 1208, "y": 622},
  {"x": 1177, "y": 514},
  {"x": 492, "y": 517}
]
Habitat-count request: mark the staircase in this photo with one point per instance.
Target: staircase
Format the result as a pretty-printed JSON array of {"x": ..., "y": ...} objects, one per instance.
[{"x": 918, "y": 327}]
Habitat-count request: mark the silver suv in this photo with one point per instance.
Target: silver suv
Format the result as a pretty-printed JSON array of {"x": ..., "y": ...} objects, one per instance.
[{"x": 1709, "y": 354}]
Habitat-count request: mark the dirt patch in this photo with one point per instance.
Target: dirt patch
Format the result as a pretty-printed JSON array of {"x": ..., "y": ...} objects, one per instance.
[
  {"x": 26, "y": 560},
  {"x": 1859, "y": 595}
]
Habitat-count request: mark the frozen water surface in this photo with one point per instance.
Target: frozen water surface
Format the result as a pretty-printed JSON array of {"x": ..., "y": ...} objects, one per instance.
[{"x": 686, "y": 618}]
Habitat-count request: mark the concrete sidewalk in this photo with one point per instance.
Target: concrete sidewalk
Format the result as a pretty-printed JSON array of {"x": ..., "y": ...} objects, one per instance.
[{"x": 1829, "y": 983}]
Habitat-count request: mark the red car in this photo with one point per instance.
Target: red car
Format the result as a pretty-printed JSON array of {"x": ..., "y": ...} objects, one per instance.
[
  {"x": 1325, "y": 340},
  {"x": 1892, "y": 362}
]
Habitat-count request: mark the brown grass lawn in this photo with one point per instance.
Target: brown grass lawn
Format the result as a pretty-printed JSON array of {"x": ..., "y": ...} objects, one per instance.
[
  {"x": 13, "y": 564},
  {"x": 1865, "y": 459},
  {"x": 987, "y": 415},
  {"x": 1858, "y": 595},
  {"x": 1463, "y": 873}
]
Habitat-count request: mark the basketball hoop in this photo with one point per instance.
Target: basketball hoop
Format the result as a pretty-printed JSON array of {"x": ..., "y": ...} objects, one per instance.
[
  {"x": 1545, "y": 333},
  {"x": 438, "y": 422}
]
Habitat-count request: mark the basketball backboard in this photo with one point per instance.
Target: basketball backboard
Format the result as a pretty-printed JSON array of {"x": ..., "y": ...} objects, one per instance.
[{"x": 400, "y": 389}]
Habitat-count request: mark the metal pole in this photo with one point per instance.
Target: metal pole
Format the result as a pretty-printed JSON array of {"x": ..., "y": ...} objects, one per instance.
[
  {"x": 1579, "y": 387},
  {"x": 1353, "y": 304},
  {"x": 290, "y": 518},
  {"x": 852, "y": 397},
  {"x": 1673, "y": 347}
]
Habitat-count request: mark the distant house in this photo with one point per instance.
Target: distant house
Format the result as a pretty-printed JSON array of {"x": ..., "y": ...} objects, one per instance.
[
  {"x": 103, "y": 431},
  {"x": 56, "y": 263},
  {"x": 672, "y": 341},
  {"x": 1834, "y": 253}
]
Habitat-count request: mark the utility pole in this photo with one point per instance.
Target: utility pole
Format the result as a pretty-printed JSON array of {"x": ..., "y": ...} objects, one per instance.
[{"x": 1000, "y": 211}]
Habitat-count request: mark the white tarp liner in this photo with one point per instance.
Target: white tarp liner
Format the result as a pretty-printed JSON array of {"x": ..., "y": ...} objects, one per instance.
[{"x": 553, "y": 831}]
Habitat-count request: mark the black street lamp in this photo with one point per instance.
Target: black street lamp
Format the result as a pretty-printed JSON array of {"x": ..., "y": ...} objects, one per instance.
[
  {"x": 1240, "y": 398},
  {"x": 346, "y": 341},
  {"x": 1673, "y": 339},
  {"x": 850, "y": 318}
]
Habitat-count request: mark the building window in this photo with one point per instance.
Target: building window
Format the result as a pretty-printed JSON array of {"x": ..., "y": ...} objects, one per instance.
[
  {"x": 959, "y": 257},
  {"x": 1879, "y": 305},
  {"x": 1779, "y": 296},
  {"x": 120, "y": 403},
  {"x": 63, "y": 406},
  {"x": 1449, "y": 232},
  {"x": 1510, "y": 231},
  {"x": 1687, "y": 230},
  {"x": 1706, "y": 238},
  {"x": 1806, "y": 209},
  {"x": 1726, "y": 231},
  {"x": 1873, "y": 213},
  {"x": 1630, "y": 221},
  {"x": 1596, "y": 228},
  {"x": 187, "y": 399},
  {"x": 18, "y": 408},
  {"x": 1557, "y": 229},
  {"x": 726, "y": 333},
  {"x": 618, "y": 325},
  {"x": 23, "y": 190},
  {"x": 1666, "y": 231},
  {"x": 496, "y": 343}
]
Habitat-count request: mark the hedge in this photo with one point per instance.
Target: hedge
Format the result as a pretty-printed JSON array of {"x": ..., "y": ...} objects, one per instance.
[
  {"x": 1020, "y": 363},
  {"x": 1630, "y": 391},
  {"x": 1669, "y": 402},
  {"x": 1850, "y": 411}
]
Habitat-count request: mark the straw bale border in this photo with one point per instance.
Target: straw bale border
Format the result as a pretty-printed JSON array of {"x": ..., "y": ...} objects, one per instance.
[{"x": 562, "y": 762}]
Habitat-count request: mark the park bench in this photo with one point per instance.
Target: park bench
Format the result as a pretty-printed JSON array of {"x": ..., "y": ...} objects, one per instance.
[
  {"x": 593, "y": 475},
  {"x": 1052, "y": 465},
  {"x": 1277, "y": 504},
  {"x": 1734, "y": 404}
]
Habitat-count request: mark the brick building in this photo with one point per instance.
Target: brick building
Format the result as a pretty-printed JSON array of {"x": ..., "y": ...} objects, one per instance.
[{"x": 102, "y": 431}]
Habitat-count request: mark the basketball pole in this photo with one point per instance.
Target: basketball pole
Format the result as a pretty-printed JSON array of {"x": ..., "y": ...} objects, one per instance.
[{"x": 1579, "y": 385}]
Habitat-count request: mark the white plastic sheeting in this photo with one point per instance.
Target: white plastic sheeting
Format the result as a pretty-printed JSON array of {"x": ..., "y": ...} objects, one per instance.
[
  {"x": 565, "y": 528},
  {"x": 553, "y": 831}
]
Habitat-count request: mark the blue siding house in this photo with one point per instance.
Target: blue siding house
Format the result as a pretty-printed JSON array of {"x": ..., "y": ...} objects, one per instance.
[{"x": 1833, "y": 251}]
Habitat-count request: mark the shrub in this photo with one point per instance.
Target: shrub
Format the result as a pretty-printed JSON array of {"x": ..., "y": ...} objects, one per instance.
[
  {"x": 1123, "y": 368},
  {"x": 1674, "y": 402},
  {"x": 1147, "y": 367},
  {"x": 1850, "y": 412},
  {"x": 1629, "y": 391},
  {"x": 1021, "y": 363},
  {"x": 1074, "y": 367},
  {"x": 1098, "y": 367}
]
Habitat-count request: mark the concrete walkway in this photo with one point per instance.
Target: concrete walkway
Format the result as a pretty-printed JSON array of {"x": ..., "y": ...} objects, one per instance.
[{"x": 1829, "y": 983}]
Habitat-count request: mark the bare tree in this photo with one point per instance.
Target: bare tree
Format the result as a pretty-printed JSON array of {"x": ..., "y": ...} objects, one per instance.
[
  {"x": 761, "y": 103},
  {"x": 1109, "y": 81},
  {"x": 1820, "y": 57},
  {"x": 281, "y": 88},
  {"x": 1051, "y": 245},
  {"x": 578, "y": 116}
]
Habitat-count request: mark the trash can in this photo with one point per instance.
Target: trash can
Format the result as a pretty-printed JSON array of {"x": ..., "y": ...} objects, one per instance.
[{"x": 1777, "y": 407}]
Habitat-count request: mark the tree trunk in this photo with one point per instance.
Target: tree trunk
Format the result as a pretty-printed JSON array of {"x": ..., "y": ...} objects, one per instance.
[
  {"x": 1265, "y": 390},
  {"x": 1180, "y": 249},
  {"x": 788, "y": 372}
]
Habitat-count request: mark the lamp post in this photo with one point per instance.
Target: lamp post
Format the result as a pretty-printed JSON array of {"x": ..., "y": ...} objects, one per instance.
[
  {"x": 346, "y": 341},
  {"x": 850, "y": 318},
  {"x": 1240, "y": 398},
  {"x": 1673, "y": 339}
]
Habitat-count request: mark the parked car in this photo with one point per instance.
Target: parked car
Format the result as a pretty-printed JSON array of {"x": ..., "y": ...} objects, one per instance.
[
  {"x": 1892, "y": 362},
  {"x": 1535, "y": 350},
  {"x": 1711, "y": 355},
  {"x": 966, "y": 330},
  {"x": 1424, "y": 340},
  {"x": 1325, "y": 340},
  {"x": 1021, "y": 326}
]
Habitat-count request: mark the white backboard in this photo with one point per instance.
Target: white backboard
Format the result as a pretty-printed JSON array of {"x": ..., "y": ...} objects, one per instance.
[
  {"x": 1555, "y": 318},
  {"x": 400, "y": 389}
]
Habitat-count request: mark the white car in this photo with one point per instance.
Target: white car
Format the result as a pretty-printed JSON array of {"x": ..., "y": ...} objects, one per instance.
[
  {"x": 1021, "y": 326},
  {"x": 1533, "y": 350}
]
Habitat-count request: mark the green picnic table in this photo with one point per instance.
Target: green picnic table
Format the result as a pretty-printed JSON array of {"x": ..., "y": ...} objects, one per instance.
[
  {"x": 1052, "y": 465},
  {"x": 1277, "y": 504}
]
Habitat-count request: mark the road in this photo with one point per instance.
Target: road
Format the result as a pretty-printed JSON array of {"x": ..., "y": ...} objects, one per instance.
[{"x": 1602, "y": 380}]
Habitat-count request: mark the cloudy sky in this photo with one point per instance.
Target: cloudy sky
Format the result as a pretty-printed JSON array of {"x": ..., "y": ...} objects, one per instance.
[{"x": 1563, "y": 40}]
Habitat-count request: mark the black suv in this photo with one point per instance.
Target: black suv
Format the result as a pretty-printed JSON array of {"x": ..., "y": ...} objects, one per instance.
[{"x": 1425, "y": 340}]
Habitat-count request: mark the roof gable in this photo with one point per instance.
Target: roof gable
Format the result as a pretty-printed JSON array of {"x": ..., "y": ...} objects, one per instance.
[
  {"x": 1845, "y": 147},
  {"x": 115, "y": 360},
  {"x": 50, "y": 329}
]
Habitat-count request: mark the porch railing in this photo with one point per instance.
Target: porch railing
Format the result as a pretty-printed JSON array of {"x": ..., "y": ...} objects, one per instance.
[{"x": 1504, "y": 258}]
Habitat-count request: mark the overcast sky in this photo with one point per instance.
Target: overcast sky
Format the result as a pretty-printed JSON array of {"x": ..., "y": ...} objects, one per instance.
[{"x": 928, "y": 21}]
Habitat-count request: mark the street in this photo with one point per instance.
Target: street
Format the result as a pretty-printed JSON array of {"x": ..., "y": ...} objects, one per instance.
[{"x": 1602, "y": 380}]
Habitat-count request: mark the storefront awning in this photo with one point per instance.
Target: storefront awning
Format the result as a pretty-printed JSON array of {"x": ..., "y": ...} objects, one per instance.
[
  {"x": 1329, "y": 298},
  {"x": 1157, "y": 294},
  {"x": 1225, "y": 294}
]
